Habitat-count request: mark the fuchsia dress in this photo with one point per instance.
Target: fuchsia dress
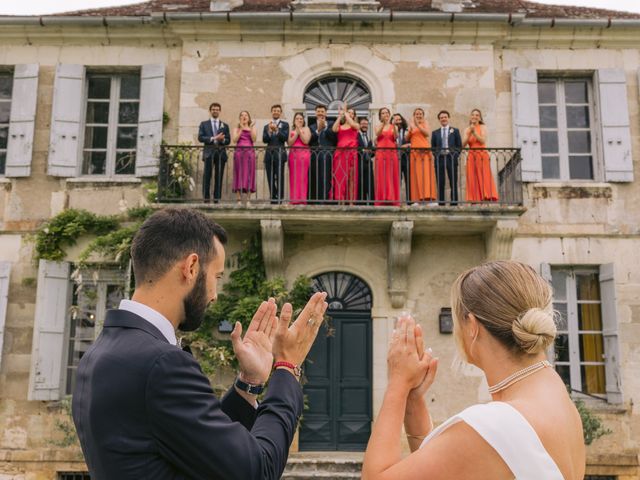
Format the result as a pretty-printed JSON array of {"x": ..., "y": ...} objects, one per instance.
[
  {"x": 299, "y": 159},
  {"x": 244, "y": 164},
  {"x": 345, "y": 166}
]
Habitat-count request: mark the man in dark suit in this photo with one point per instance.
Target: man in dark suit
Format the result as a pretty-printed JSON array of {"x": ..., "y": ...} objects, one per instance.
[
  {"x": 275, "y": 135},
  {"x": 142, "y": 407},
  {"x": 214, "y": 133},
  {"x": 446, "y": 143},
  {"x": 404, "y": 147},
  {"x": 365, "y": 166},
  {"x": 323, "y": 143}
]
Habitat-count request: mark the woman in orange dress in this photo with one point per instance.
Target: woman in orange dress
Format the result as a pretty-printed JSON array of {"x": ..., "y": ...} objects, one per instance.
[
  {"x": 480, "y": 184},
  {"x": 387, "y": 168},
  {"x": 423, "y": 182}
]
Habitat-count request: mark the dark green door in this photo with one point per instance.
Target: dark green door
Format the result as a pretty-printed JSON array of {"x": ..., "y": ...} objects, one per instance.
[{"x": 338, "y": 371}]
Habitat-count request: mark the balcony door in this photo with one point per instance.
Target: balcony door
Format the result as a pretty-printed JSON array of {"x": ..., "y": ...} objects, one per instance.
[
  {"x": 332, "y": 92},
  {"x": 339, "y": 370}
]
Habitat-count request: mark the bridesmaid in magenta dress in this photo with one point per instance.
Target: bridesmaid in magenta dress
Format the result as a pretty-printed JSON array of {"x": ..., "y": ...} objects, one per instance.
[
  {"x": 345, "y": 160},
  {"x": 387, "y": 177},
  {"x": 244, "y": 158},
  {"x": 299, "y": 159}
]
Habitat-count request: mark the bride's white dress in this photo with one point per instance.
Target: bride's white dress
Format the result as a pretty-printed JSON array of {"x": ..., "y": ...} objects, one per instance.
[{"x": 509, "y": 433}]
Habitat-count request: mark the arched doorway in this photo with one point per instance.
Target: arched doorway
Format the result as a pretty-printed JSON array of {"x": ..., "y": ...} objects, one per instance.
[
  {"x": 339, "y": 369},
  {"x": 333, "y": 91}
]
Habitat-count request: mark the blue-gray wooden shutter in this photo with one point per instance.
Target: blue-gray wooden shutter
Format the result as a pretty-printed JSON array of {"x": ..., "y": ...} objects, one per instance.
[
  {"x": 49, "y": 330},
  {"x": 526, "y": 121},
  {"x": 614, "y": 125},
  {"x": 610, "y": 334},
  {"x": 66, "y": 120},
  {"x": 22, "y": 120},
  {"x": 5, "y": 270},
  {"x": 150, "y": 120}
]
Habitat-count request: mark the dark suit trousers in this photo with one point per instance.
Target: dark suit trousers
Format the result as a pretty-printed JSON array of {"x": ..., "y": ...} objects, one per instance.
[
  {"x": 274, "y": 160},
  {"x": 405, "y": 172},
  {"x": 215, "y": 163},
  {"x": 365, "y": 179},
  {"x": 320, "y": 175},
  {"x": 448, "y": 162}
]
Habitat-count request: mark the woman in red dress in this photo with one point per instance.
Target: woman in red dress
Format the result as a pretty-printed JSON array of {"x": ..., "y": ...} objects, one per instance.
[
  {"x": 345, "y": 160},
  {"x": 480, "y": 184},
  {"x": 387, "y": 168}
]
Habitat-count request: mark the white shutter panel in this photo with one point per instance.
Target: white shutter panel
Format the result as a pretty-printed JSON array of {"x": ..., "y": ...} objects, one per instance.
[
  {"x": 526, "y": 121},
  {"x": 5, "y": 270},
  {"x": 52, "y": 301},
  {"x": 610, "y": 334},
  {"x": 614, "y": 122},
  {"x": 150, "y": 120},
  {"x": 66, "y": 120},
  {"x": 22, "y": 120}
]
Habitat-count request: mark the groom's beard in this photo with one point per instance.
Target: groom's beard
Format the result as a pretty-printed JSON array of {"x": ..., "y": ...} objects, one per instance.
[{"x": 195, "y": 304}]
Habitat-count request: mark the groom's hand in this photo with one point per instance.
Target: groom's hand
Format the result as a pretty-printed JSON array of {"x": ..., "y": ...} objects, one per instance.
[{"x": 253, "y": 351}]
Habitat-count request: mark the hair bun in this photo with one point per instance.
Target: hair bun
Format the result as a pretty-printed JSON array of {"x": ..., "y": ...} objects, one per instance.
[{"x": 534, "y": 330}]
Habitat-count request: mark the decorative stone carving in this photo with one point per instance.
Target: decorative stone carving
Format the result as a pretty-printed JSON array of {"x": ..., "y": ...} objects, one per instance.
[
  {"x": 499, "y": 240},
  {"x": 399, "y": 255},
  {"x": 272, "y": 247}
]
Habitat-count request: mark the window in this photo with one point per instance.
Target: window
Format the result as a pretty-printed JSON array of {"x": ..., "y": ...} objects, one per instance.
[
  {"x": 86, "y": 317},
  {"x": 74, "y": 476},
  {"x": 579, "y": 345},
  {"x": 566, "y": 134},
  {"x": 6, "y": 87},
  {"x": 111, "y": 124}
]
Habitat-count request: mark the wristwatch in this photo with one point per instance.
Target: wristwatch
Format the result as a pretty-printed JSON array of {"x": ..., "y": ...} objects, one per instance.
[{"x": 248, "y": 387}]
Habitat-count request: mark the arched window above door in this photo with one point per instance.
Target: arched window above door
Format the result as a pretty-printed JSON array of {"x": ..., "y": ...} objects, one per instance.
[
  {"x": 344, "y": 291},
  {"x": 333, "y": 91}
]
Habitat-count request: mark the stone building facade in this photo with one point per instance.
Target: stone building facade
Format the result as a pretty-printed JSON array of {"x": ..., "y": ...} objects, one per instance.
[{"x": 561, "y": 84}]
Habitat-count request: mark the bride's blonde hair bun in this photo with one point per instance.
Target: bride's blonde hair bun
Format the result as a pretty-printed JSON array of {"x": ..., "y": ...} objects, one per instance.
[{"x": 534, "y": 330}]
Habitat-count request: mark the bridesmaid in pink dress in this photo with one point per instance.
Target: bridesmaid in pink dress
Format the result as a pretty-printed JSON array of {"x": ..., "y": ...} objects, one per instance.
[
  {"x": 244, "y": 158},
  {"x": 345, "y": 160},
  {"x": 387, "y": 168},
  {"x": 299, "y": 158}
]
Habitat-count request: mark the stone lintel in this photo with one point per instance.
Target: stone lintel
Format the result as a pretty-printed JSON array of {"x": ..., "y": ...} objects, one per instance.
[
  {"x": 499, "y": 240},
  {"x": 273, "y": 247},
  {"x": 398, "y": 261}
]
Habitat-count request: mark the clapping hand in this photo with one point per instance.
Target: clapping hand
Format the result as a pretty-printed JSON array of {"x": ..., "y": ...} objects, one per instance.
[
  {"x": 428, "y": 379},
  {"x": 407, "y": 370}
]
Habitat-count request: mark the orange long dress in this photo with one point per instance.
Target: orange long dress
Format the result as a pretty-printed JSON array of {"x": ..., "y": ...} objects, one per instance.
[
  {"x": 480, "y": 184},
  {"x": 422, "y": 172}
]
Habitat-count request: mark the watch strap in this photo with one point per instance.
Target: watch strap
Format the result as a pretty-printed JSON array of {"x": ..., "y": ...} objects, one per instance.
[{"x": 248, "y": 387}]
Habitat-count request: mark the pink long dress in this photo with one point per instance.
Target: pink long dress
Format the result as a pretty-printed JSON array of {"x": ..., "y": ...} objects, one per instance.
[
  {"x": 299, "y": 159},
  {"x": 345, "y": 166}
]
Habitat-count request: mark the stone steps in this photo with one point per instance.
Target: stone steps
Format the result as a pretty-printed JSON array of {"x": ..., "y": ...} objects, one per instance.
[{"x": 323, "y": 465}]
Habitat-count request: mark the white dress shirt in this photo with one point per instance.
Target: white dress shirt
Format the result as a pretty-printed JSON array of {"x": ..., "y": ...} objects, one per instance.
[
  {"x": 152, "y": 316},
  {"x": 445, "y": 137}
]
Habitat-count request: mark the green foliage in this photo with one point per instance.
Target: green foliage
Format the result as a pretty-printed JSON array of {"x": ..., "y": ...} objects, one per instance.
[
  {"x": 152, "y": 191},
  {"x": 592, "y": 427},
  {"x": 64, "y": 229},
  {"x": 139, "y": 213},
  {"x": 180, "y": 168},
  {"x": 64, "y": 425},
  {"x": 115, "y": 245},
  {"x": 165, "y": 118}
]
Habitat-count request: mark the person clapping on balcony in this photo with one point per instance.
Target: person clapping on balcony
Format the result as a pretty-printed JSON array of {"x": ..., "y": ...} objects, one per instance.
[
  {"x": 275, "y": 135},
  {"x": 299, "y": 159},
  {"x": 423, "y": 185},
  {"x": 480, "y": 184},
  {"x": 214, "y": 133},
  {"x": 387, "y": 178},
  {"x": 345, "y": 161},
  {"x": 244, "y": 157}
]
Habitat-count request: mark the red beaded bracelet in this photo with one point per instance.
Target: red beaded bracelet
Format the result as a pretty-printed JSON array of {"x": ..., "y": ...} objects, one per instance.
[{"x": 297, "y": 371}]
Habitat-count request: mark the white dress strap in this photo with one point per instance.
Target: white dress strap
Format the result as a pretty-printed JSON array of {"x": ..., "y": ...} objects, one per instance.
[{"x": 511, "y": 436}]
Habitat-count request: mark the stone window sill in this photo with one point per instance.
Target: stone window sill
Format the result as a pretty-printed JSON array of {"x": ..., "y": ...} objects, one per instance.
[
  {"x": 89, "y": 182},
  {"x": 572, "y": 190}
]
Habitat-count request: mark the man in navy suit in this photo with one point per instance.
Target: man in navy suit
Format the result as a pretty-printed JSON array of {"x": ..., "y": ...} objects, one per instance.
[
  {"x": 275, "y": 135},
  {"x": 446, "y": 143},
  {"x": 365, "y": 167},
  {"x": 142, "y": 407},
  {"x": 323, "y": 143},
  {"x": 214, "y": 133}
]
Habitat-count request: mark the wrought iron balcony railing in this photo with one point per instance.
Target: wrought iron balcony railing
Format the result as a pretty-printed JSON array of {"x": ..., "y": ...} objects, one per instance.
[{"x": 355, "y": 177}]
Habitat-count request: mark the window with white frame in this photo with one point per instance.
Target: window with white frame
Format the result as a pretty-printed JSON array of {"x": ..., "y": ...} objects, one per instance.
[
  {"x": 86, "y": 317},
  {"x": 111, "y": 124},
  {"x": 579, "y": 345},
  {"x": 6, "y": 87},
  {"x": 566, "y": 128}
]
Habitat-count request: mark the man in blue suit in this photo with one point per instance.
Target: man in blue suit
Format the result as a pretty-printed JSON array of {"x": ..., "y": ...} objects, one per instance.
[
  {"x": 214, "y": 133},
  {"x": 365, "y": 165},
  {"x": 446, "y": 143},
  {"x": 323, "y": 144},
  {"x": 142, "y": 407},
  {"x": 275, "y": 135}
]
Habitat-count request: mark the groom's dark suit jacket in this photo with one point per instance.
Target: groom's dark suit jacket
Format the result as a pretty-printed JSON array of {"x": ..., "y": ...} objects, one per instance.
[{"x": 143, "y": 409}]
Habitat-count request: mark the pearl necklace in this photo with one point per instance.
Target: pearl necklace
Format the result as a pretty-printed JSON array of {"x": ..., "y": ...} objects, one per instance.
[{"x": 519, "y": 375}]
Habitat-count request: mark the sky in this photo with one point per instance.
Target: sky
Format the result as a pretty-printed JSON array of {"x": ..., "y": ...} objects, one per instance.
[{"x": 42, "y": 7}]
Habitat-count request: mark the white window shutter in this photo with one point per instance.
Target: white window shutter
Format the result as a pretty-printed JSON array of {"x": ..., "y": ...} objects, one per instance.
[
  {"x": 526, "y": 121},
  {"x": 150, "y": 120},
  {"x": 610, "y": 333},
  {"x": 614, "y": 122},
  {"x": 5, "y": 270},
  {"x": 22, "y": 120},
  {"x": 66, "y": 120},
  {"x": 52, "y": 303}
]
